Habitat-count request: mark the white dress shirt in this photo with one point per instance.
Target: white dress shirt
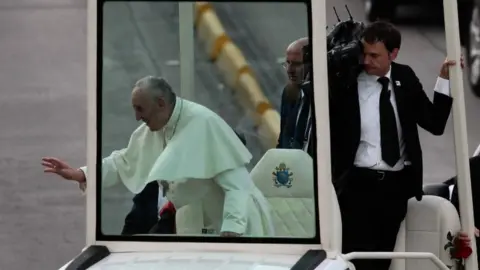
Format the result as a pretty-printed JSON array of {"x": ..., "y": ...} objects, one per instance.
[{"x": 369, "y": 152}]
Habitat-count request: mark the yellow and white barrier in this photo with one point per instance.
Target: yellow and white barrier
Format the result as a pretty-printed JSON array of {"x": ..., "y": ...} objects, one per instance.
[{"x": 237, "y": 73}]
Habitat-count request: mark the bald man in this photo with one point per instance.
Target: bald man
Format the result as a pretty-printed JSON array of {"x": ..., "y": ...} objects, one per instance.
[{"x": 295, "y": 124}]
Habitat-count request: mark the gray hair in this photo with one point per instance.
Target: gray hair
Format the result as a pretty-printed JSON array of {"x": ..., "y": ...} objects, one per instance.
[{"x": 158, "y": 87}]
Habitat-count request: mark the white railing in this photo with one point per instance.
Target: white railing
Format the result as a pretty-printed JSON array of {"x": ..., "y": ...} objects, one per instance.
[{"x": 396, "y": 255}]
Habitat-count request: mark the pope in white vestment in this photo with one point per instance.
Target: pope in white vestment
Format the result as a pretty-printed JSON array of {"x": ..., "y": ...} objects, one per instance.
[{"x": 197, "y": 153}]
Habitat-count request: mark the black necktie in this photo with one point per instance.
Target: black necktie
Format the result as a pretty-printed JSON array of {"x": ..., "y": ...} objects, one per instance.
[{"x": 388, "y": 126}]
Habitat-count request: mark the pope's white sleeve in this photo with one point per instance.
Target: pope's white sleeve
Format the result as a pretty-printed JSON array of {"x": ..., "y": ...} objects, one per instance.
[
  {"x": 237, "y": 185},
  {"x": 110, "y": 175}
]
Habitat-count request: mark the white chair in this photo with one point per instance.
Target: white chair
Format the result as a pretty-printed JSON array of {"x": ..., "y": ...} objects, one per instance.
[
  {"x": 286, "y": 178},
  {"x": 425, "y": 229}
]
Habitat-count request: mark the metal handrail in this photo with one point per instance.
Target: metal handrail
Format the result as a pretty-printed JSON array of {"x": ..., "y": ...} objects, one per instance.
[{"x": 395, "y": 255}]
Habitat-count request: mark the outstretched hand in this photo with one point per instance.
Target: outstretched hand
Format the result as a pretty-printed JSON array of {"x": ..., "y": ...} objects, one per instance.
[{"x": 56, "y": 166}]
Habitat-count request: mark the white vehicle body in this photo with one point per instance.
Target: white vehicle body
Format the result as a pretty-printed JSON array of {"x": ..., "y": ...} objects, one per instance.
[
  {"x": 207, "y": 261},
  {"x": 326, "y": 255}
]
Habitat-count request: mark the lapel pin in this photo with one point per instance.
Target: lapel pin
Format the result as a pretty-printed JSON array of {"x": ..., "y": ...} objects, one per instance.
[{"x": 397, "y": 83}]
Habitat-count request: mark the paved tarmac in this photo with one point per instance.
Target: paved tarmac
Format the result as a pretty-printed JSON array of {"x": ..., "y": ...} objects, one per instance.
[{"x": 42, "y": 110}]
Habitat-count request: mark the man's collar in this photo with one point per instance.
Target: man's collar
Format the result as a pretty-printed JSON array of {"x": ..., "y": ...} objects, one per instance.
[
  {"x": 367, "y": 76},
  {"x": 175, "y": 114},
  {"x": 388, "y": 75}
]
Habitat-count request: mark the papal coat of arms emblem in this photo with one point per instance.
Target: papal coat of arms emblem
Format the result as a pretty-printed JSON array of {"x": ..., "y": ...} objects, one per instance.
[{"x": 282, "y": 176}]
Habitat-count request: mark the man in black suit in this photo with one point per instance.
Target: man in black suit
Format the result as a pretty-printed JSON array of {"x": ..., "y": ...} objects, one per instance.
[
  {"x": 375, "y": 148},
  {"x": 293, "y": 123}
]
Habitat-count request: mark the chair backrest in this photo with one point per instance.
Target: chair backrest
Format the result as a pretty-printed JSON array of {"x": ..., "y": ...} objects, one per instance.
[
  {"x": 442, "y": 190},
  {"x": 286, "y": 178},
  {"x": 425, "y": 229}
]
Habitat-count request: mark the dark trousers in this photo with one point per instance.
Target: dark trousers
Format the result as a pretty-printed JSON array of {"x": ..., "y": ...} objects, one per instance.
[
  {"x": 165, "y": 225},
  {"x": 373, "y": 205}
]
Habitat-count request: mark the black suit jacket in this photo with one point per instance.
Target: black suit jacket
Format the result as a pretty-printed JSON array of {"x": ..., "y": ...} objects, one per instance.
[
  {"x": 144, "y": 213},
  {"x": 414, "y": 109},
  {"x": 288, "y": 124},
  {"x": 288, "y": 116}
]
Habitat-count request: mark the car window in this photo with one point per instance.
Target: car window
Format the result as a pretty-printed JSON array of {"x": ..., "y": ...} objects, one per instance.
[{"x": 199, "y": 107}]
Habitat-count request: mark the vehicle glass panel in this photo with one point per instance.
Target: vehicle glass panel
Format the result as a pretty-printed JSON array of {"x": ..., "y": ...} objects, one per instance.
[{"x": 192, "y": 151}]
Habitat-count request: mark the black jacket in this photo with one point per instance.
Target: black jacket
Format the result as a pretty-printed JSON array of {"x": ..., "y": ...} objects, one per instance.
[
  {"x": 289, "y": 111},
  {"x": 288, "y": 116}
]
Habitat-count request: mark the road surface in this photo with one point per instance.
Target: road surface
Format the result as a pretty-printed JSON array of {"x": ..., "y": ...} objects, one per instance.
[{"x": 42, "y": 110}]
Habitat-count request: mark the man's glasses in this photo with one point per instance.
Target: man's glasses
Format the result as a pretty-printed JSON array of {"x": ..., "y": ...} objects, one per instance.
[{"x": 293, "y": 65}]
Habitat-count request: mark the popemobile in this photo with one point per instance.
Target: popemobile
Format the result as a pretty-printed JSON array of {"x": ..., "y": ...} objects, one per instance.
[{"x": 306, "y": 219}]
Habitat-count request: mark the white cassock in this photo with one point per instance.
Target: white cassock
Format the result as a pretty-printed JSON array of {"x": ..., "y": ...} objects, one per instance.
[{"x": 203, "y": 160}]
